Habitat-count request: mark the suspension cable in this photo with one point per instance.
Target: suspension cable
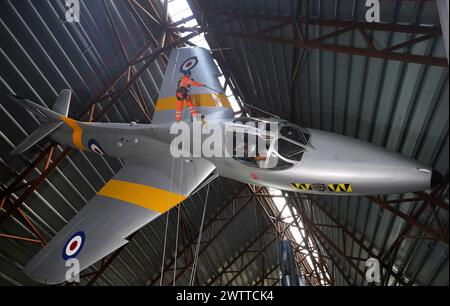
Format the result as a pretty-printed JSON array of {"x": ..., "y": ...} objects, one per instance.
[
  {"x": 197, "y": 248},
  {"x": 167, "y": 226},
  {"x": 178, "y": 226},
  {"x": 176, "y": 244}
]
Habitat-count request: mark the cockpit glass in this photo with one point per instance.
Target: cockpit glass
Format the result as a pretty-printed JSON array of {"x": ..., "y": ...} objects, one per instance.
[
  {"x": 277, "y": 153},
  {"x": 280, "y": 163},
  {"x": 295, "y": 133},
  {"x": 290, "y": 150}
]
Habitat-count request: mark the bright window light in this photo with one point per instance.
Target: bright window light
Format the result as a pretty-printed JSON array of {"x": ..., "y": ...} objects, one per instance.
[{"x": 297, "y": 233}]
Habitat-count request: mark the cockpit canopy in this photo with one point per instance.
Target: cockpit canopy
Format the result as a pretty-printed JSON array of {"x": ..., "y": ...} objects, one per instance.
[{"x": 268, "y": 143}]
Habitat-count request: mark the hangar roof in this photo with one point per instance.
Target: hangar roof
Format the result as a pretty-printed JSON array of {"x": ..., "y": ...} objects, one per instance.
[{"x": 397, "y": 104}]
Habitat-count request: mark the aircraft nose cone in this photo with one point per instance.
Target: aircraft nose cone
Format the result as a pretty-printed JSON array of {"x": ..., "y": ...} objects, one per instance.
[{"x": 436, "y": 178}]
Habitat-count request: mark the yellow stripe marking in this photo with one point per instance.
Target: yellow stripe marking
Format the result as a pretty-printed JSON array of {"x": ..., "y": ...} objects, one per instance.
[
  {"x": 200, "y": 100},
  {"x": 77, "y": 132},
  {"x": 146, "y": 196}
]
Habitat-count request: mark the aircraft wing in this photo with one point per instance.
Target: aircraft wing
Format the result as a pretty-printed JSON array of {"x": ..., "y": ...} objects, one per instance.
[{"x": 136, "y": 195}]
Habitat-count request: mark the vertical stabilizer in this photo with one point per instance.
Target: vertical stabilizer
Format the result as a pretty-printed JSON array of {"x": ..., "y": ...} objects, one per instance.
[
  {"x": 210, "y": 101},
  {"x": 62, "y": 104}
]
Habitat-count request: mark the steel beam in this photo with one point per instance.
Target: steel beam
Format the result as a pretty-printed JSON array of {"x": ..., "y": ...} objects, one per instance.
[
  {"x": 106, "y": 263},
  {"x": 358, "y": 241},
  {"x": 323, "y": 238},
  {"x": 114, "y": 99},
  {"x": 443, "y": 237},
  {"x": 239, "y": 255},
  {"x": 271, "y": 212},
  {"x": 242, "y": 269},
  {"x": 266, "y": 275},
  {"x": 14, "y": 237},
  {"x": 335, "y": 23},
  {"x": 217, "y": 217},
  {"x": 418, "y": 59}
]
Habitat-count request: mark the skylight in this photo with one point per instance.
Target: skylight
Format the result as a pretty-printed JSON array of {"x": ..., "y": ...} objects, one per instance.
[
  {"x": 297, "y": 233},
  {"x": 179, "y": 9}
]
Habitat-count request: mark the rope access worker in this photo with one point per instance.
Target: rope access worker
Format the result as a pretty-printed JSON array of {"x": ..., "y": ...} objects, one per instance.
[{"x": 182, "y": 94}]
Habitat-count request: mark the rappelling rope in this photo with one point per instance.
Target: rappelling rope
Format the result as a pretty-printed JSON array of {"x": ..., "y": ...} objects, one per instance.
[
  {"x": 178, "y": 225},
  {"x": 197, "y": 248},
  {"x": 176, "y": 245},
  {"x": 167, "y": 225}
]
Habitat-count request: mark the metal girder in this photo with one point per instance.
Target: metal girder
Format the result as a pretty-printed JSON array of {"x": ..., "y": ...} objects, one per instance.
[
  {"x": 238, "y": 256},
  {"x": 212, "y": 229},
  {"x": 440, "y": 236},
  {"x": 275, "y": 220},
  {"x": 266, "y": 275},
  {"x": 106, "y": 263},
  {"x": 272, "y": 213},
  {"x": 324, "y": 239},
  {"x": 284, "y": 229},
  {"x": 114, "y": 98},
  {"x": 418, "y": 59},
  {"x": 306, "y": 239},
  {"x": 389, "y": 255},
  {"x": 338, "y": 267},
  {"x": 155, "y": 20},
  {"x": 296, "y": 62},
  {"x": 130, "y": 68},
  {"x": 374, "y": 26},
  {"x": 49, "y": 165},
  {"x": 61, "y": 157},
  {"x": 18, "y": 203},
  {"x": 261, "y": 251},
  {"x": 355, "y": 239},
  {"x": 340, "y": 27},
  {"x": 26, "y": 239}
]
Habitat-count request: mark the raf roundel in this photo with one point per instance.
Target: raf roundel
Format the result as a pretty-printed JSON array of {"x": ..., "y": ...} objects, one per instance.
[
  {"x": 189, "y": 64},
  {"x": 74, "y": 245},
  {"x": 95, "y": 147}
]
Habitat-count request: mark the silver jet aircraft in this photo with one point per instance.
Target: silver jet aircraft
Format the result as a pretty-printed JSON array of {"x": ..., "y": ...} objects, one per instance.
[{"x": 300, "y": 160}]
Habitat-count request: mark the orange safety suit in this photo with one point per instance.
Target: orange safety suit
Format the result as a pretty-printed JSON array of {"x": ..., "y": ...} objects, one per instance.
[{"x": 182, "y": 94}]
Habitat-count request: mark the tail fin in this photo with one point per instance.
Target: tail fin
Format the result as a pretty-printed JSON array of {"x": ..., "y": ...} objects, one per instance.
[
  {"x": 210, "y": 100},
  {"x": 53, "y": 118},
  {"x": 62, "y": 104}
]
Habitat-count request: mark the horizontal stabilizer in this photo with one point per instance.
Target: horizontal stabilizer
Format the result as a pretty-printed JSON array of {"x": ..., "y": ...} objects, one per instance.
[
  {"x": 52, "y": 118},
  {"x": 36, "y": 136}
]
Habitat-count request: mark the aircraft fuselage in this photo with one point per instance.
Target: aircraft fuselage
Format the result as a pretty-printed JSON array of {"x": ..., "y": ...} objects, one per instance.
[{"x": 334, "y": 164}]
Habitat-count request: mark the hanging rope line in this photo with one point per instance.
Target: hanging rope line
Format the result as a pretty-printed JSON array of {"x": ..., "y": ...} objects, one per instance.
[
  {"x": 167, "y": 226},
  {"x": 178, "y": 226},
  {"x": 176, "y": 244},
  {"x": 197, "y": 248}
]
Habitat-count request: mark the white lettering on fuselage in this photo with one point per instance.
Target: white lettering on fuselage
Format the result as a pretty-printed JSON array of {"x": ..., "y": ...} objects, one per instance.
[{"x": 227, "y": 140}]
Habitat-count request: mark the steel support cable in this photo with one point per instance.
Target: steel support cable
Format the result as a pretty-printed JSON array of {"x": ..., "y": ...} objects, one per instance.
[
  {"x": 167, "y": 225},
  {"x": 197, "y": 247},
  {"x": 178, "y": 224},
  {"x": 176, "y": 244}
]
